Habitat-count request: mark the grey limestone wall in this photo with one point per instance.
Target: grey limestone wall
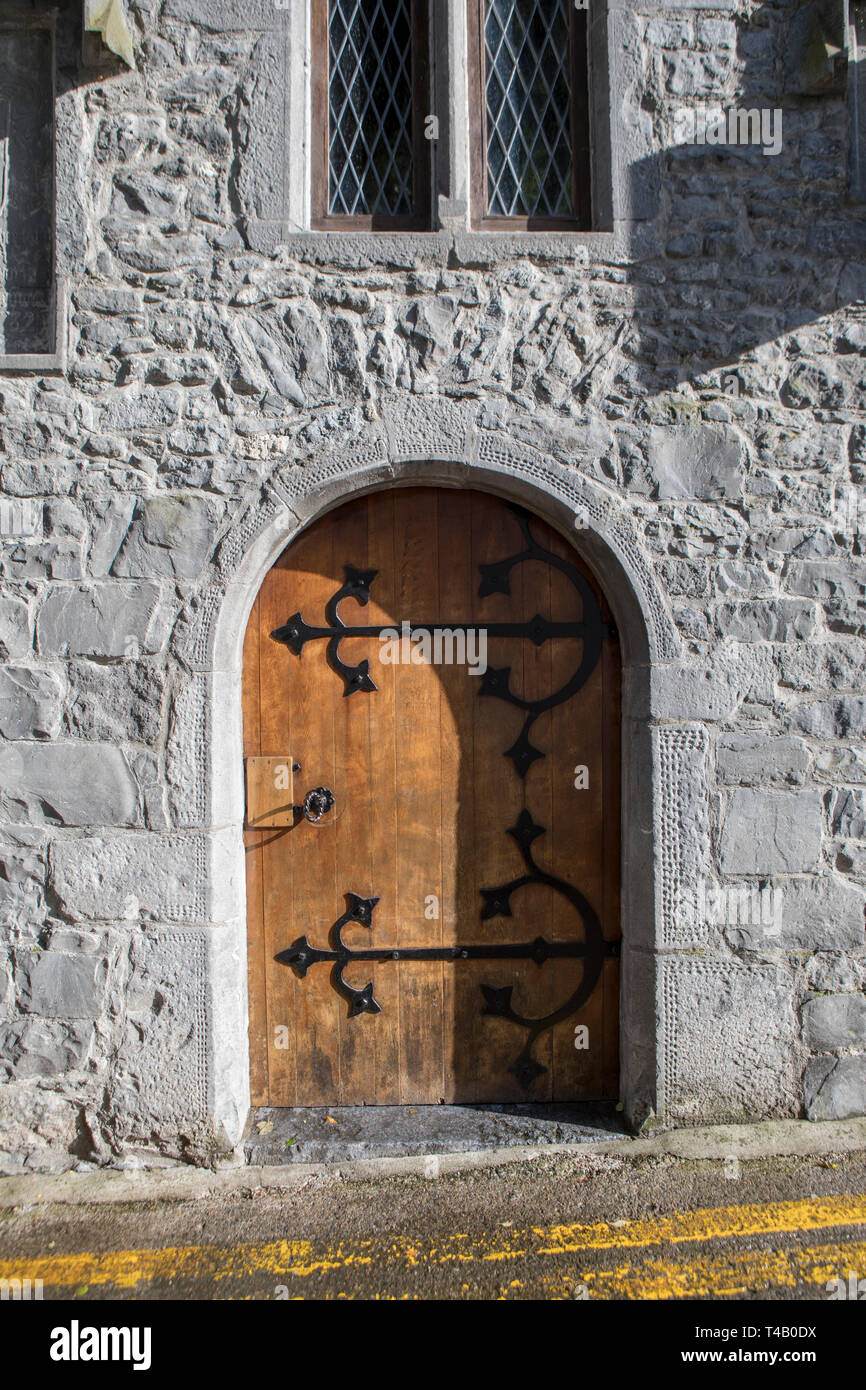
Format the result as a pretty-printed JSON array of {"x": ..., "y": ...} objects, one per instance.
[{"x": 687, "y": 385}]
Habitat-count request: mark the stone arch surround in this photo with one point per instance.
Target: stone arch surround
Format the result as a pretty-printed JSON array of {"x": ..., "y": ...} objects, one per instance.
[{"x": 665, "y": 838}]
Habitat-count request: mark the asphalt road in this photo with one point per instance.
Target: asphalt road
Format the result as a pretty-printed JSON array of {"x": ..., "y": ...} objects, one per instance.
[{"x": 567, "y": 1227}]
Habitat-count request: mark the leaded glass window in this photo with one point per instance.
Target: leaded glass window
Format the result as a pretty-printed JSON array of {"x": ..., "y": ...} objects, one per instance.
[
  {"x": 533, "y": 79},
  {"x": 376, "y": 56}
]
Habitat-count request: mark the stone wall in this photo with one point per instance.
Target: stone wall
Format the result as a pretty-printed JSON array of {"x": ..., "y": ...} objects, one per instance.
[{"x": 691, "y": 381}]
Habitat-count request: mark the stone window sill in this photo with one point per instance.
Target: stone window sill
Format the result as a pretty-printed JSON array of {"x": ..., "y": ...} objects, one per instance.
[{"x": 402, "y": 248}]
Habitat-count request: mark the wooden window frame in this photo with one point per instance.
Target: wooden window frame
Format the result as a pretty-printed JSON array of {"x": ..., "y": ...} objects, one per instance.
[
  {"x": 482, "y": 220},
  {"x": 323, "y": 220}
]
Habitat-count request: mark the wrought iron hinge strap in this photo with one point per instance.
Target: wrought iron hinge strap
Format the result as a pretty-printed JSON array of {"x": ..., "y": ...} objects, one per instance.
[
  {"x": 496, "y": 682},
  {"x": 592, "y": 950}
]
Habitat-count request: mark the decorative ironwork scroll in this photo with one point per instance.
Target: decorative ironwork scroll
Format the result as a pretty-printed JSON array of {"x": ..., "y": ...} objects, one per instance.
[
  {"x": 496, "y": 579},
  {"x": 496, "y": 682},
  {"x": 592, "y": 950}
]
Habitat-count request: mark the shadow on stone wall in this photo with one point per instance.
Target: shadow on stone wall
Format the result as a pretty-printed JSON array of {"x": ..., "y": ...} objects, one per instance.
[{"x": 739, "y": 248}]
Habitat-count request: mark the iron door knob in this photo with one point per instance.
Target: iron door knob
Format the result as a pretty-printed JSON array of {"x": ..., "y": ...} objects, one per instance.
[{"x": 317, "y": 803}]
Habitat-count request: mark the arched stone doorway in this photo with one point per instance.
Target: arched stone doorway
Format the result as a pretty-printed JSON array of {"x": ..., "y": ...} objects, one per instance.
[{"x": 427, "y": 444}]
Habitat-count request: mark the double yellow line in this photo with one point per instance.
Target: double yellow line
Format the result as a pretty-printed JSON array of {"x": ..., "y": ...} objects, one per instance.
[{"x": 285, "y": 1261}]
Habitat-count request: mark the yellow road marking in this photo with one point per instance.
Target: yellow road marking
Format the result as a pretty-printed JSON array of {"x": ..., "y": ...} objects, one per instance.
[
  {"x": 127, "y": 1268},
  {"x": 710, "y": 1223},
  {"x": 725, "y": 1276}
]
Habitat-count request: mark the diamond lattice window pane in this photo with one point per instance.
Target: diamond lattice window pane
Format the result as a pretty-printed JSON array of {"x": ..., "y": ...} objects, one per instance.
[
  {"x": 370, "y": 46},
  {"x": 529, "y": 145}
]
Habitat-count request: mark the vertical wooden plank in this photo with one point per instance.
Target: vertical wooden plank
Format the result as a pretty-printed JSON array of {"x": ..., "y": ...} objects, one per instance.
[
  {"x": 316, "y": 897},
  {"x": 418, "y": 806},
  {"x": 578, "y": 847},
  {"x": 490, "y": 1045},
  {"x": 384, "y": 1033},
  {"x": 458, "y": 695},
  {"x": 277, "y": 893}
]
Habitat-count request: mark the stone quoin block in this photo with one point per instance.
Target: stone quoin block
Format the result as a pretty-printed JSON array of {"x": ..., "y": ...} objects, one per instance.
[
  {"x": 169, "y": 537},
  {"x": 768, "y": 832},
  {"x": 729, "y": 1040},
  {"x": 698, "y": 461},
  {"x": 30, "y": 703},
  {"x": 753, "y": 759},
  {"x": 162, "y": 1064},
  {"x": 44, "y": 1047},
  {"x": 57, "y": 985},
  {"x": 835, "y": 1021},
  {"x": 818, "y": 912},
  {"x": 66, "y": 784},
  {"x": 127, "y": 877},
  {"x": 16, "y": 628},
  {"x": 835, "y": 1088},
  {"x": 109, "y": 619}
]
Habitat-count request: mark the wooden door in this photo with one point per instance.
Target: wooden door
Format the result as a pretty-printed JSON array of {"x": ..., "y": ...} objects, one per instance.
[{"x": 448, "y": 930}]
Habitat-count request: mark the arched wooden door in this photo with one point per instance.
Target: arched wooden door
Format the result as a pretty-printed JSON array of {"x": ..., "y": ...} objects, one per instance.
[{"x": 448, "y": 930}]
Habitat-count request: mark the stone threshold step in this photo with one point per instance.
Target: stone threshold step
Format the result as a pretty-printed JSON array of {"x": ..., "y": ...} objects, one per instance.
[{"x": 321, "y": 1135}]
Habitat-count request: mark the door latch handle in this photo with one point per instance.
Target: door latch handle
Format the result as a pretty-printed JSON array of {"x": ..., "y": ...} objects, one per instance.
[{"x": 316, "y": 804}]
